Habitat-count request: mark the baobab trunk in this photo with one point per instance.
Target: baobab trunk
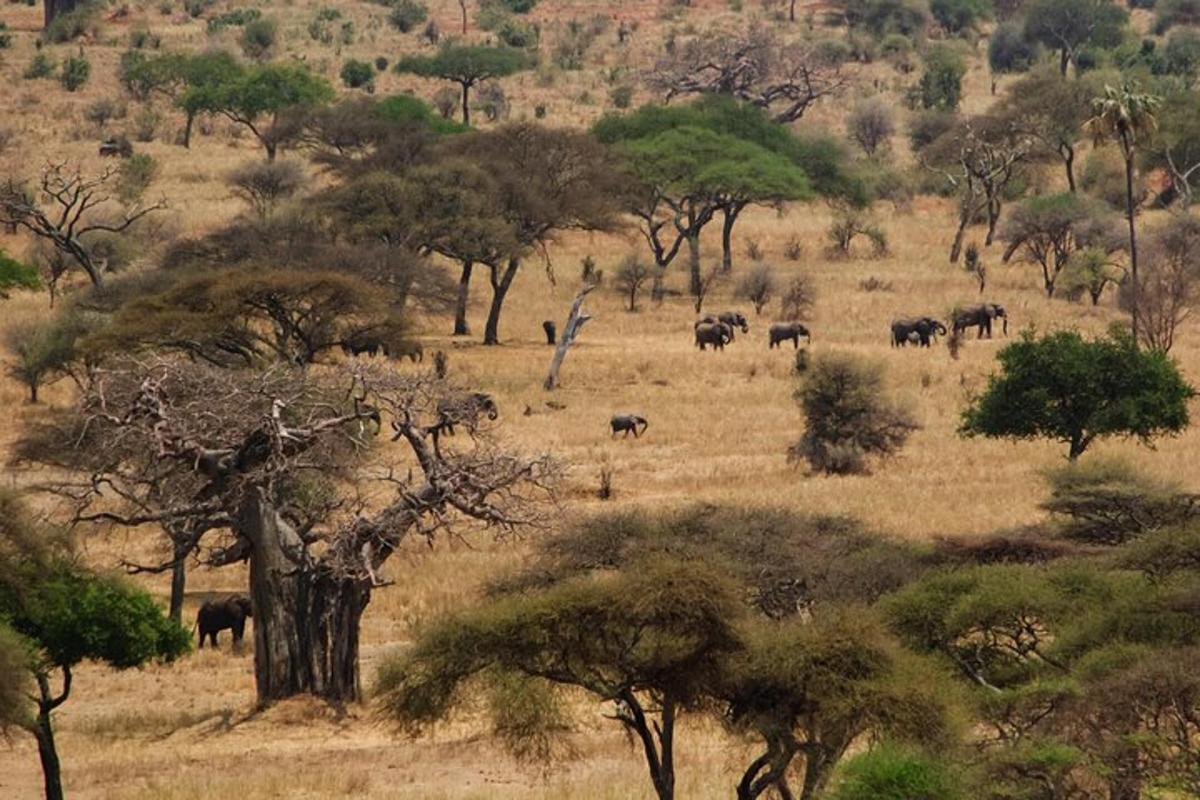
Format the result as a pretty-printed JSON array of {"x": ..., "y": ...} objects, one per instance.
[
  {"x": 306, "y": 616},
  {"x": 461, "y": 328}
]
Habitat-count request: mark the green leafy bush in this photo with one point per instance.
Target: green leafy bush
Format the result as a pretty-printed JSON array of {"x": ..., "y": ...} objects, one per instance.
[
  {"x": 258, "y": 38},
  {"x": 357, "y": 74},
  {"x": 407, "y": 14},
  {"x": 75, "y": 72}
]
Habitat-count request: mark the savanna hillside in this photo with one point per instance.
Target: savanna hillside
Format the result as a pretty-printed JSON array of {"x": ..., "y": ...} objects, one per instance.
[{"x": 720, "y": 423}]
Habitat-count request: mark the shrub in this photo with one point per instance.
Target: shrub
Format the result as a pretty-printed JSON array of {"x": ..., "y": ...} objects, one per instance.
[
  {"x": 263, "y": 184},
  {"x": 237, "y": 17},
  {"x": 358, "y": 74},
  {"x": 492, "y": 101},
  {"x": 75, "y": 72},
  {"x": 1182, "y": 54},
  {"x": 381, "y": 63},
  {"x": 42, "y": 352},
  {"x": 1176, "y": 12},
  {"x": 890, "y": 773},
  {"x": 957, "y": 16},
  {"x": 195, "y": 8},
  {"x": 621, "y": 96},
  {"x": 928, "y": 126},
  {"x": 446, "y": 101},
  {"x": 16, "y": 275},
  {"x": 5, "y": 36},
  {"x": 101, "y": 111},
  {"x": 519, "y": 34},
  {"x": 871, "y": 125},
  {"x": 258, "y": 38},
  {"x": 941, "y": 86},
  {"x": 798, "y": 299},
  {"x": 407, "y": 14},
  {"x": 146, "y": 123},
  {"x": 793, "y": 248},
  {"x": 40, "y": 67},
  {"x": 135, "y": 176},
  {"x": 847, "y": 418},
  {"x": 1009, "y": 51},
  {"x": 850, "y": 224},
  {"x": 632, "y": 275},
  {"x": 758, "y": 286}
]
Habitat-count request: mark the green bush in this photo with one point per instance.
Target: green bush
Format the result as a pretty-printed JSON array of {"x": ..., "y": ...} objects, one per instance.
[
  {"x": 381, "y": 63},
  {"x": 957, "y": 16},
  {"x": 5, "y": 36},
  {"x": 195, "y": 8},
  {"x": 135, "y": 176},
  {"x": 40, "y": 67},
  {"x": 519, "y": 34},
  {"x": 75, "y": 72},
  {"x": 237, "y": 17},
  {"x": 258, "y": 38},
  {"x": 358, "y": 75},
  {"x": 1181, "y": 56},
  {"x": 408, "y": 14},
  {"x": 941, "y": 86},
  {"x": 891, "y": 773},
  {"x": 16, "y": 275}
]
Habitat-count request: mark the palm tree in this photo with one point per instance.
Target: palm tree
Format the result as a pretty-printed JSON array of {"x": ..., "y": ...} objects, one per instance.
[{"x": 1125, "y": 114}]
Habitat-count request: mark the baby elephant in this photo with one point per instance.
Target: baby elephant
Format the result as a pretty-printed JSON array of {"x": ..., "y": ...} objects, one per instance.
[
  {"x": 784, "y": 331},
  {"x": 627, "y": 423},
  {"x": 218, "y": 615}
]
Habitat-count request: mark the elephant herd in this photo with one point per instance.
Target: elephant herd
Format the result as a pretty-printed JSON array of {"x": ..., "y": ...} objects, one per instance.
[
  {"x": 716, "y": 331},
  {"x": 719, "y": 331},
  {"x": 923, "y": 331}
]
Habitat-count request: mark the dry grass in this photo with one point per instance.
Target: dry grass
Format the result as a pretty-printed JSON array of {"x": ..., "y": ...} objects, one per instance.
[{"x": 719, "y": 428}]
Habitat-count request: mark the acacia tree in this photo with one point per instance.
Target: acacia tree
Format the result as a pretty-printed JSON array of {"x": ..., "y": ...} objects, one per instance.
[
  {"x": 1170, "y": 284},
  {"x": 545, "y": 181},
  {"x": 261, "y": 97},
  {"x": 67, "y": 208},
  {"x": 1068, "y": 26},
  {"x": 55, "y": 614},
  {"x": 191, "y": 81},
  {"x": 468, "y": 66},
  {"x": 1049, "y": 229},
  {"x": 1051, "y": 112},
  {"x": 755, "y": 66},
  {"x": 1066, "y": 388},
  {"x": 224, "y": 447}
]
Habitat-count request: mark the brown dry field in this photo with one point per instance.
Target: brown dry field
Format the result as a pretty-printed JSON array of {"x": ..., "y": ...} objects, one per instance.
[{"x": 719, "y": 427}]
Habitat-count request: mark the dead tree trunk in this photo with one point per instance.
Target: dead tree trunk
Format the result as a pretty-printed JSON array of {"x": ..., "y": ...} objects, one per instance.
[{"x": 574, "y": 324}]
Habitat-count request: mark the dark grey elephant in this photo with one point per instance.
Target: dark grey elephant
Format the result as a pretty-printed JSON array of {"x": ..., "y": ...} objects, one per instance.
[
  {"x": 922, "y": 330},
  {"x": 628, "y": 423},
  {"x": 219, "y": 615},
  {"x": 781, "y": 332},
  {"x": 717, "y": 334},
  {"x": 979, "y": 317},
  {"x": 734, "y": 319}
]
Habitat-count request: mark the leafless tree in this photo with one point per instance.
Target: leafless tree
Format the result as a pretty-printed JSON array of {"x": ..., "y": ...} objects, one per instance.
[
  {"x": 631, "y": 275},
  {"x": 1170, "y": 282},
  {"x": 978, "y": 159},
  {"x": 758, "y": 286},
  {"x": 264, "y": 185},
  {"x": 67, "y": 207},
  {"x": 755, "y": 66},
  {"x": 176, "y": 442},
  {"x": 575, "y": 321}
]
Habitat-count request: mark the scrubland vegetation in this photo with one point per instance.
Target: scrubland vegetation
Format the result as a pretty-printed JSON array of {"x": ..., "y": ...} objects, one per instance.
[{"x": 329, "y": 323}]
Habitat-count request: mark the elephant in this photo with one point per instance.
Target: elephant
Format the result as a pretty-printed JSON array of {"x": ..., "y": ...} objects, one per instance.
[
  {"x": 780, "y": 332},
  {"x": 980, "y": 317},
  {"x": 924, "y": 328},
  {"x": 357, "y": 345},
  {"x": 551, "y": 332},
  {"x": 217, "y": 615},
  {"x": 628, "y": 423},
  {"x": 734, "y": 319},
  {"x": 718, "y": 334}
]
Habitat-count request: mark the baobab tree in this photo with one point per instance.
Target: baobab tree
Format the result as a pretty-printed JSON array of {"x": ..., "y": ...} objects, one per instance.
[{"x": 235, "y": 448}]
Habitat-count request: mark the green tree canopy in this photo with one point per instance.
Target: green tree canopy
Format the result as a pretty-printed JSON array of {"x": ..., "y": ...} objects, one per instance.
[
  {"x": 192, "y": 81},
  {"x": 466, "y": 65},
  {"x": 259, "y": 96},
  {"x": 1066, "y": 388},
  {"x": 1049, "y": 229},
  {"x": 1051, "y": 112},
  {"x": 1068, "y": 26}
]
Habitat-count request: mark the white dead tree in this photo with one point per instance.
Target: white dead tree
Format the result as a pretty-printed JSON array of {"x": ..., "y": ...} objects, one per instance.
[{"x": 575, "y": 321}]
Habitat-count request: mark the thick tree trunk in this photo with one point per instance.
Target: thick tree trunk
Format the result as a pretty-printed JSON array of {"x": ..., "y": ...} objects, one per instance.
[
  {"x": 461, "y": 328},
  {"x": 178, "y": 587},
  {"x": 956, "y": 245},
  {"x": 271, "y": 146},
  {"x": 695, "y": 280},
  {"x": 500, "y": 287},
  {"x": 1064, "y": 61},
  {"x": 993, "y": 210},
  {"x": 54, "y": 8},
  {"x": 306, "y": 617},
  {"x": 43, "y": 731},
  {"x": 33, "y": 394},
  {"x": 187, "y": 130},
  {"x": 466, "y": 103},
  {"x": 731, "y": 215}
]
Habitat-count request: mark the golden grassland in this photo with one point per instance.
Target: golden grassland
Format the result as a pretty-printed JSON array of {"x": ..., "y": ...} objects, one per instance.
[{"x": 720, "y": 424}]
